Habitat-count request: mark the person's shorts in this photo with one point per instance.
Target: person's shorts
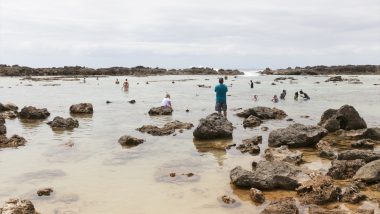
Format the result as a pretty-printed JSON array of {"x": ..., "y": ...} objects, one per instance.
[{"x": 221, "y": 106}]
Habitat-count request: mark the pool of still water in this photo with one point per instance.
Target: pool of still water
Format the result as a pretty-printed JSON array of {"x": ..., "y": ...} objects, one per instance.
[{"x": 97, "y": 175}]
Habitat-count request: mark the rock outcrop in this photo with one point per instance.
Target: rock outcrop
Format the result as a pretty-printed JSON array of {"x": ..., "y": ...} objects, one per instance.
[
  {"x": 319, "y": 190},
  {"x": 346, "y": 117},
  {"x": 31, "y": 112},
  {"x": 263, "y": 113},
  {"x": 82, "y": 108},
  {"x": 369, "y": 173},
  {"x": 250, "y": 145},
  {"x": 354, "y": 154},
  {"x": 162, "y": 110},
  {"x": 251, "y": 121},
  {"x": 351, "y": 194},
  {"x": 297, "y": 135},
  {"x": 363, "y": 144},
  {"x": 281, "y": 206},
  {"x": 345, "y": 169},
  {"x": 268, "y": 175},
  {"x": 61, "y": 123},
  {"x": 214, "y": 126},
  {"x": 167, "y": 129},
  {"x": 18, "y": 206},
  {"x": 14, "y": 141},
  {"x": 129, "y": 141},
  {"x": 282, "y": 153},
  {"x": 256, "y": 196},
  {"x": 45, "y": 191},
  {"x": 325, "y": 150},
  {"x": 326, "y": 70}
]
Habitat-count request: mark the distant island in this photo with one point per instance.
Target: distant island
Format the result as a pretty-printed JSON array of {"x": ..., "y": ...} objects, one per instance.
[
  {"x": 327, "y": 70},
  {"x": 16, "y": 70}
]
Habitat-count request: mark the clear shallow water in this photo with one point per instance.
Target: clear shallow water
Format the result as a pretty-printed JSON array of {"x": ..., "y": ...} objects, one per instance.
[{"x": 97, "y": 175}]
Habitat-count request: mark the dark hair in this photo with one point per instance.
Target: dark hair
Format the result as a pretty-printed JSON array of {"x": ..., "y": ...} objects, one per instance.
[
  {"x": 221, "y": 80},
  {"x": 126, "y": 79}
]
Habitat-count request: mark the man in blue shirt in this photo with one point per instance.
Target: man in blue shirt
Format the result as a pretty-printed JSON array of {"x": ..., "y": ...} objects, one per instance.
[{"x": 221, "y": 100}]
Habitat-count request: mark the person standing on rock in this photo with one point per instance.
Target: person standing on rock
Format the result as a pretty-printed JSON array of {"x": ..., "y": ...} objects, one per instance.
[{"x": 221, "y": 98}]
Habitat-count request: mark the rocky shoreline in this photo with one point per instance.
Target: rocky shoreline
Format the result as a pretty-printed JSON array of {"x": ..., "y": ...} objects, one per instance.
[
  {"x": 16, "y": 70},
  {"x": 326, "y": 70}
]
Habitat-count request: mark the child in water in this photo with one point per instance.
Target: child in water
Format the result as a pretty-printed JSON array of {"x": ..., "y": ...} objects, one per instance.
[
  {"x": 275, "y": 99},
  {"x": 167, "y": 102},
  {"x": 296, "y": 96},
  {"x": 255, "y": 97}
]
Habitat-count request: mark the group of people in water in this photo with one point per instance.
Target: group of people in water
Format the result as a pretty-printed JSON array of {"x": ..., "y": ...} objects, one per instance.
[{"x": 297, "y": 94}]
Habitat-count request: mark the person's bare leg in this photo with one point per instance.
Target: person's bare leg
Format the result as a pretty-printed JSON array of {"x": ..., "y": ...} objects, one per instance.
[
  {"x": 219, "y": 112},
  {"x": 225, "y": 113}
]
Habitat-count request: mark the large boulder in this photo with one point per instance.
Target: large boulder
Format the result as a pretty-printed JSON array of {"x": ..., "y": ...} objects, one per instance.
[
  {"x": 354, "y": 154},
  {"x": 82, "y": 108},
  {"x": 162, "y": 110},
  {"x": 319, "y": 190},
  {"x": 297, "y": 135},
  {"x": 129, "y": 141},
  {"x": 263, "y": 113},
  {"x": 282, "y": 153},
  {"x": 369, "y": 173},
  {"x": 281, "y": 206},
  {"x": 167, "y": 129},
  {"x": 346, "y": 117},
  {"x": 61, "y": 123},
  {"x": 18, "y": 206},
  {"x": 14, "y": 141},
  {"x": 31, "y": 112},
  {"x": 251, "y": 121},
  {"x": 268, "y": 175},
  {"x": 345, "y": 169},
  {"x": 214, "y": 126}
]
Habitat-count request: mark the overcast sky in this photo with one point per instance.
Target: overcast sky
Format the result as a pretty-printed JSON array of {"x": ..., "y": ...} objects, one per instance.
[{"x": 184, "y": 33}]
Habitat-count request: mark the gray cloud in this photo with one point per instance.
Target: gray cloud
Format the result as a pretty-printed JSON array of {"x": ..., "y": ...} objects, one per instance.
[{"x": 218, "y": 33}]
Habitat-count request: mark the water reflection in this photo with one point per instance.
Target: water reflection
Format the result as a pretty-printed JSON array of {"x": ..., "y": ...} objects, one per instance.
[{"x": 216, "y": 147}]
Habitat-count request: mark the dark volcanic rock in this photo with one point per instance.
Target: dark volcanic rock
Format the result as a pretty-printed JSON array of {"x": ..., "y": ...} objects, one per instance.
[
  {"x": 372, "y": 133},
  {"x": 31, "y": 112},
  {"x": 214, "y": 126},
  {"x": 325, "y": 150},
  {"x": 282, "y": 206},
  {"x": 167, "y": 129},
  {"x": 363, "y": 144},
  {"x": 82, "y": 108},
  {"x": 251, "y": 121},
  {"x": 263, "y": 113},
  {"x": 319, "y": 190},
  {"x": 18, "y": 206},
  {"x": 283, "y": 154},
  {"x": 250, "y": 145},
  {"x": 369, "y": 173},
  {"x": 334, "y": 79},
  {"x": 14, "y": 141},
  {"x": 345, "y": 169},
  {"x": 162, "y": 110},
  {"x": 346, "y": 117},
  {"x": 61, "y": 123},
  {"x": 268, "y": 175},
  {"x": 297, "y": 135},
  {"x": 353, "y": 154},
  {"x": 256, "y": 195},
  {"x": 327, "y": 70},
  {"x": 44, "y": 192},
  {"x": 130, "y": 141},
  {"x": 314, "y": 209},
  {"x": 8, "y": 107},
  {"x": 3, "y": 129}
]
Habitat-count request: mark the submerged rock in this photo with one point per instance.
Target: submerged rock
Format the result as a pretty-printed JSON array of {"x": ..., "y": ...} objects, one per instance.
[
  {"x": 353, "y": 154},
  {"x": 352, "y": 195},
  {"x": 214, "y": 126},
  {"x": 9, "y": 114},
  {"x": 281, "y": 206},
  {"x": 167, "y": 129},
  {"x": 18, "y": 206},
  {"x": 162, "y": 110},
  {"x": 363, "y": 144},
  {"x": 346, "y": 117},
  {"x": 325, "y": 150},
  {"x": 314, "y": 209},
  {"x": 369, "y": 173},
  {"x": 31, "y": 112},
  {"x": 130, "y": 141},
  {"x": 256, "y": 195},
  {"x": 82, "y": 108},
  {"x": 268, "y": 175},
  {"x": 263, "y": 113},
  {"x": 14, "y": 141},
  {"x": 319, "y": 190},
  {"x": 334, "y": 79},
  {"x": 251, "y": 121},
  {"x": 61, "y": 123},
  {"x": 283, "y": 154},
  {"x": 249, "y": 146},
  {"x": 297, "y": 135},
  {"x": 344, "y": 169}
]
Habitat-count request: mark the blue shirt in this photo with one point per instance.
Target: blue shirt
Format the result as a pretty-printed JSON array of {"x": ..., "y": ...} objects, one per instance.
[{"x": 221, "y": 91}]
